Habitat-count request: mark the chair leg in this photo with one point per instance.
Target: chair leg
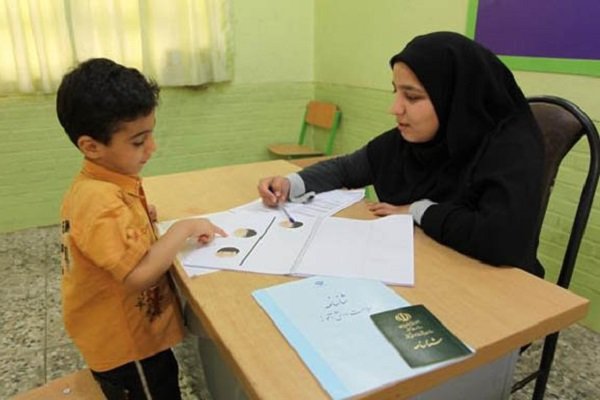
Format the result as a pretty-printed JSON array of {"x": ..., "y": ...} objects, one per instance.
[{"x": 545, "y": 366}]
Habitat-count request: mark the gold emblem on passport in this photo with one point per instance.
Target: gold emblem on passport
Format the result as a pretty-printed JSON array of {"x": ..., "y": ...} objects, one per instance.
[{"x": 403, "y": 317}]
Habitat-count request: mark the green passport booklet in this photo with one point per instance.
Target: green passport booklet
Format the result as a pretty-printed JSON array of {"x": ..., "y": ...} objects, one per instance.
[{"x": 420, "y": 338}]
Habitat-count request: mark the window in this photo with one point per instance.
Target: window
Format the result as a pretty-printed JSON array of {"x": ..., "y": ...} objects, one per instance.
[{"x": 180, "y": 42}]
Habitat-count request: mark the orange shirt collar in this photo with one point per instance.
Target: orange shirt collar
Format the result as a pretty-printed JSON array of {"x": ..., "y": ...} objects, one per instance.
[{"x": 130, "y": 184}]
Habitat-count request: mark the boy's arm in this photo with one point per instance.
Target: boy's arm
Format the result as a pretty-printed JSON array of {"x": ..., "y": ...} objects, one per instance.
[{"x": 160, "y": 256}]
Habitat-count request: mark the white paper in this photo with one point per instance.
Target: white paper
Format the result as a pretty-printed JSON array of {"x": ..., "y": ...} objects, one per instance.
[
  {"x": 380, "y": 249},
  {"x": 272, "y": 248},
  {"x": 322, "y": 205}
]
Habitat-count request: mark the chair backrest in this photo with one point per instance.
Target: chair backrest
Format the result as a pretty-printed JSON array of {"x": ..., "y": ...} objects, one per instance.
[
  {"x": 322, "y": 115},
  {"x": 562, "y": 124}
]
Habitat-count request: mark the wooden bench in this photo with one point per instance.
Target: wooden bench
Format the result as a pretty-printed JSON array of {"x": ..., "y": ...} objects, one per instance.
[{"x": 79, "y": 385}]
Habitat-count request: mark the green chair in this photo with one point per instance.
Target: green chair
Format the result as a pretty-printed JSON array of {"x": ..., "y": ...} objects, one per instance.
[{"x": 321, "y": 117}]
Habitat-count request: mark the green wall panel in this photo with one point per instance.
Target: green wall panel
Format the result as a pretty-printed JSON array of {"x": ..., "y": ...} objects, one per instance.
[{"x": 224, "y": 124}]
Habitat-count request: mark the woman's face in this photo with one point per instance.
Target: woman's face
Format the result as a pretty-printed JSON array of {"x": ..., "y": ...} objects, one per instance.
[{"x": 415, "y": 115}]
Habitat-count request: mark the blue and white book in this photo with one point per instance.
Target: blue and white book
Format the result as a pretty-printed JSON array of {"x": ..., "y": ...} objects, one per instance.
[{"x": 327, "y": 321}]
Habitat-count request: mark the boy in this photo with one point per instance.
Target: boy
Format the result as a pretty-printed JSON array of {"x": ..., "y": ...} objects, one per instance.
[{"x": 118, "y": 303}]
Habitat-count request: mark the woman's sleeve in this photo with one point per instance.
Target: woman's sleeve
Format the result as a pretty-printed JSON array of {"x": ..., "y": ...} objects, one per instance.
[
  {"x": 495, "y": 219},
  {"x": 349, "y": 171}
]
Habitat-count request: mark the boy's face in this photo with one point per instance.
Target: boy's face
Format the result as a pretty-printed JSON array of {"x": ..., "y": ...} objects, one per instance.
[{"x": 130, "y": 147}]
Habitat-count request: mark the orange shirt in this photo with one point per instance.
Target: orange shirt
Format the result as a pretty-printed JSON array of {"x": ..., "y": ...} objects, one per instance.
[{"x": 106, "y": 232}]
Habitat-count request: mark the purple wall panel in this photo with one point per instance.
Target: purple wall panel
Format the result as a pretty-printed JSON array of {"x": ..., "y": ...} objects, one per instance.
[{"x": 540, "y": 28}]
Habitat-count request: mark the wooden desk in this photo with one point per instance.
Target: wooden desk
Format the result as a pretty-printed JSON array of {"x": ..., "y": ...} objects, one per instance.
[{"x": 496, "y": 310}]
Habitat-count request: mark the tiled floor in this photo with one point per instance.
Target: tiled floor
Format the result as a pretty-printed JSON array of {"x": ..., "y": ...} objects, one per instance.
[
  {"x": 33, "y": 345},
  {"x": 35, "y": 349}
]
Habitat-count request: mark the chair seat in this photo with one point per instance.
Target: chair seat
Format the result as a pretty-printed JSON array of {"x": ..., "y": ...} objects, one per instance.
[
  {"x": 79, "y": 385},
  {"x": 293, "y": 150},
  {"x": 320, "y": 118}
]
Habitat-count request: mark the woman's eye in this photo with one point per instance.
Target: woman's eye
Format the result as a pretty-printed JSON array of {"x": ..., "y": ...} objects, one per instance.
[
  {"x": 138, "y": 144},
  {"x": 413, "y": 98}
]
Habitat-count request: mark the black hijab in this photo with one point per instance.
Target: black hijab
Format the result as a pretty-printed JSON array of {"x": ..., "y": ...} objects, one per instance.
[
  {"x": 473, "y": 94},
  {"x": 483, "y": 166}
]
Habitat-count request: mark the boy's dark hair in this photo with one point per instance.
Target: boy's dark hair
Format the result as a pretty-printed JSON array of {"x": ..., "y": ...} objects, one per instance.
[{"x": 99, "y": 94}]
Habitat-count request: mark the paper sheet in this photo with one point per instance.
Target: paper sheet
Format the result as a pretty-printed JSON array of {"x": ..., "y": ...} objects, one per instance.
[
  {"x": 322, "y": 205},
  {"x": 272, "y": 247},
  {"x": 379, "y": 249}
]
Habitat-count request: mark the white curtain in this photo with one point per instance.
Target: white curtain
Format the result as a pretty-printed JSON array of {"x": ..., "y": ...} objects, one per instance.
[{"x": 176, "y": 42}]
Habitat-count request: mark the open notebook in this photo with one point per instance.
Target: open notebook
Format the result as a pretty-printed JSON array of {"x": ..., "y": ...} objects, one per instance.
[{"x": 380, "y": 249}]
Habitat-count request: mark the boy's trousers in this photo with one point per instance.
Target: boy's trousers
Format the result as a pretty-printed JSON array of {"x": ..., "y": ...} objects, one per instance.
[{"x": 153, "y": 378}]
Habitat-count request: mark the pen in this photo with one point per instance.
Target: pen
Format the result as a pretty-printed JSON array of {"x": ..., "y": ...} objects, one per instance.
[
  {"x": 303, "y": 198},
  {"x": 287, "y": 214}
]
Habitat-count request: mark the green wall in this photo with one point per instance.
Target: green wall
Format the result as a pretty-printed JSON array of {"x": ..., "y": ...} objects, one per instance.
[
  {"x": 355, "y": 39},
  {"x": 285, "y": 52}
]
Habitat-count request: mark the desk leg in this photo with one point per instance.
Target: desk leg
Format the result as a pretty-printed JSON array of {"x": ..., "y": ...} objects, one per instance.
[{"x": 220, "y": 380}]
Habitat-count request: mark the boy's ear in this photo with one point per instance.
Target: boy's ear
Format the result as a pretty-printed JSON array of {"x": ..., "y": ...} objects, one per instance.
[{"x": 89, "y": 147}]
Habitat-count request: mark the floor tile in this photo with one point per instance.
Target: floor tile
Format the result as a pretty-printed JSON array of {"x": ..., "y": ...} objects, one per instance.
[
  {"x": 25, "y": 251},
  {"x": 62, "y": 360},
  {"x": 575, "y": 371},
  {"x": 191, "y": 374},
  {"x": 56, "y": 334},
  {"x": 20, "y": 372},
  {"x": 23, "y": 315}
]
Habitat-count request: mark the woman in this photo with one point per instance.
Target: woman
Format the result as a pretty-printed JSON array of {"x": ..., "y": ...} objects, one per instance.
[{"x": 465, "y": 158}]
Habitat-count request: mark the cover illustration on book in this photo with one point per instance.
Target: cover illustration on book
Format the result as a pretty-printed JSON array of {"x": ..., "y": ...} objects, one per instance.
[{"x": 420, "y": 338}]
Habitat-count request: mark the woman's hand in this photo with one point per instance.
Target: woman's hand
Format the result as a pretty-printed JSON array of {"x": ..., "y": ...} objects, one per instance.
[
  {"x": 274, "y": 190},
  {"x": 383, "y": 209}
]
